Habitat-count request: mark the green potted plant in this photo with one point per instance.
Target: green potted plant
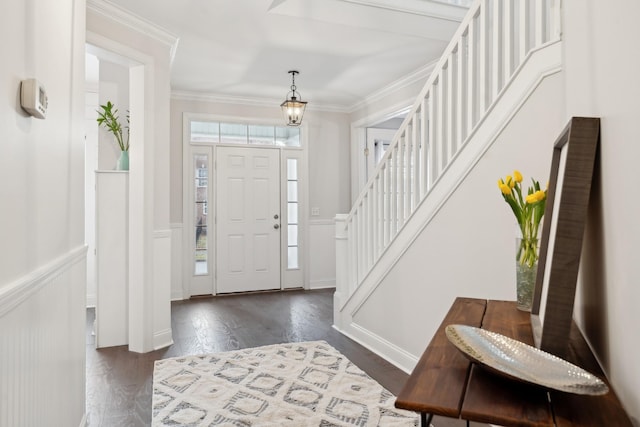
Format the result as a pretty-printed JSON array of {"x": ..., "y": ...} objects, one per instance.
[{"x": 108, "y": 118}]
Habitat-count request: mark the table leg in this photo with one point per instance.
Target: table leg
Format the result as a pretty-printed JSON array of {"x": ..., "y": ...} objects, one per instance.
[{"x": 425, "y": 419}]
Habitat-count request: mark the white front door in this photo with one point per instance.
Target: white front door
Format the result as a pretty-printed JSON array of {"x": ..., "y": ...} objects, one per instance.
[{"x": 247, "y": 219}]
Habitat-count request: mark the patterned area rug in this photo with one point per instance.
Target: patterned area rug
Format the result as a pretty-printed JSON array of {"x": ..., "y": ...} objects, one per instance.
[{"x": 297, "y": 384}]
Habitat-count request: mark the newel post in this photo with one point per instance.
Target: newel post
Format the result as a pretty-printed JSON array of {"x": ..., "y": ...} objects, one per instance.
[{"x": 342, "y": 265}]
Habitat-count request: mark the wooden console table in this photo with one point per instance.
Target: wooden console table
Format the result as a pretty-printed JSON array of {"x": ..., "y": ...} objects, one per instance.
[{"x": 446, "y": 383}]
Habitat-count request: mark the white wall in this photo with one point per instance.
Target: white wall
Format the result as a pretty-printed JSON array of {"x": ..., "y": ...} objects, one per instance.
[
  {"x": 42, "y": 254},
  {"x": 602, "y": 69},
  {"x": 329, "y": 179}
]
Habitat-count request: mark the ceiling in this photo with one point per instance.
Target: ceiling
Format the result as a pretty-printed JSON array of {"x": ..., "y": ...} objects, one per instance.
[{"x": 345, "y": 50}]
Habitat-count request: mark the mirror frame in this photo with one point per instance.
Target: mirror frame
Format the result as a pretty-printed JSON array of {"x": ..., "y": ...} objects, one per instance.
[{"x": 572, "y": 165}]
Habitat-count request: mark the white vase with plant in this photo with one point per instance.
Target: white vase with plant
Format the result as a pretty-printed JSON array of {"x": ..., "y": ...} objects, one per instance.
[{"x": 108, "y": 118}]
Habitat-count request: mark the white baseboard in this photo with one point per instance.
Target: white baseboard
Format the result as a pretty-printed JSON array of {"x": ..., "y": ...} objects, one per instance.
[
  {"x": 378, "y": 345},
  {"x": 322, "y": 284},
  {"x": 162, "y": 339},
  {"x": 177, "y": 295}
]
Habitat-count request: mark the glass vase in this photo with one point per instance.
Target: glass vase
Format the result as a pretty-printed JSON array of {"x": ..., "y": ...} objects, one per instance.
[
  {"x": 525, "y": 272},
  {"x": 525, "y": 283}
]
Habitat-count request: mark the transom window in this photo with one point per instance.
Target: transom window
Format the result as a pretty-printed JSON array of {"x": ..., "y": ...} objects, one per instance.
[{"x": 240, "y": 133}]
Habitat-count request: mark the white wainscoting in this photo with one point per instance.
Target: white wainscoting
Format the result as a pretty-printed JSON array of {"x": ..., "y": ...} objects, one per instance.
[
  {"x": 321, "y": 254},
  {"x": 42, "y": 345}
]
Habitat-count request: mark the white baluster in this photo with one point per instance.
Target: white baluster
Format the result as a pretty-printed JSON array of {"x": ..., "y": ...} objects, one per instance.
[
  {"x": 507, "y": 16},
  {"x": 426, "y": 142},
  {"x": 393, "y": 194},
  {"x": 360, "y": 235},
  {"x": 353, "y": 253},
  {"x": 461, "y": 93},
  {"x": 539, "y": 30},
  {"x": 375, "y": 218},
  {"x": 372, "y": 224},
  {"x": 408, "y": 171},
  {"x": 471, "y": 75},
  {"x": 380, "y": 209},
  {"x": 343, "y": 279},
  {"x": 433, "y": 144},
  {"x": 387, "y": 202},
  {"x": 417, "y": 169},
  {"x": 440, "y": 131},
  {"x": 483, "y": 60},
  {"x": 400, "y": 182},
  {"x": 523, "y": 30},
  {"x": 368, "y": 248},
  {"x": 496, "y": 51},
  {"x": 555, "y": 16},
  {"x": 364, "y": 237},
  {"x": 450, "y": 112}
]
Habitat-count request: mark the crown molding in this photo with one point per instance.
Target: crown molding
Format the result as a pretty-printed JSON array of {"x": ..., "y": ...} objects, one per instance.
[
  {"x": 419, "y": 75},
  {"x": 182, "y": 95},
  {"x": 135, "y": 22}
]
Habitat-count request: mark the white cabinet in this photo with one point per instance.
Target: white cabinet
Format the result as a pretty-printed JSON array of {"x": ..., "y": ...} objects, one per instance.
[{"x": 112, "y": 258}]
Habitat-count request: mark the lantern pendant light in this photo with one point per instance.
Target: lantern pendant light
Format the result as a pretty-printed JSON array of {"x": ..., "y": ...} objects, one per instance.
[{"x": 293, "y": 107}]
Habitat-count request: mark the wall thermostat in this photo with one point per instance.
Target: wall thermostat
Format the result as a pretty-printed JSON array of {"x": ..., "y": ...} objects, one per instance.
[{"x": 33, "y": 98}]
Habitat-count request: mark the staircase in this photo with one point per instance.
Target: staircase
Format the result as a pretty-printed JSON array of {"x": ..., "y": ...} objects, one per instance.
[{"x": 501, "y": 51}]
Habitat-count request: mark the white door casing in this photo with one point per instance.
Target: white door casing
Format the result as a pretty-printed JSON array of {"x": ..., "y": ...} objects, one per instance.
[{"x": 248, "y": 219}]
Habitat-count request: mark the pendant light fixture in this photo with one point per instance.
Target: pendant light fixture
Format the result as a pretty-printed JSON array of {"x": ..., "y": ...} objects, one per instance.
[{"x": 293, "y": 107}]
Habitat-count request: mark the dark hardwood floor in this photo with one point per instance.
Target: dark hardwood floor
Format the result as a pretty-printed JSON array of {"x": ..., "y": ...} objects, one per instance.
[{"x": 119, "y": 382}]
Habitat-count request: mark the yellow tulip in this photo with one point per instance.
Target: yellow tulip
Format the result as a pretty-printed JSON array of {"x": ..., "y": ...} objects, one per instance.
[
  {"x": 506, "y": 190},
  {"x": 517, "y": 175},
  {"x": 510, "y": 182},
  {"x": 535, "y": 197}
]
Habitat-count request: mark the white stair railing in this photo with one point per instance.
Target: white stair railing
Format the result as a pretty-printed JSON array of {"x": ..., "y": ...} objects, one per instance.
[{"x": 491, "y": 43}]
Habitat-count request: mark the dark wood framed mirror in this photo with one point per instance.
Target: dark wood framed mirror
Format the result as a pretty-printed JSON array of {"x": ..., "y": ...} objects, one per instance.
[{"x": 574, "y": 155}]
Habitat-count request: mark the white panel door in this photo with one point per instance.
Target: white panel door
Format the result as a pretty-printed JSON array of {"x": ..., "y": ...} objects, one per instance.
[{"x": 247, "y": 219}]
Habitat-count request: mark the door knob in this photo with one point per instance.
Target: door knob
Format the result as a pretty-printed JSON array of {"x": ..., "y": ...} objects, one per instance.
[
  {"x": 276, "y": 216},
  {"x": 276, "y": 226}
]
